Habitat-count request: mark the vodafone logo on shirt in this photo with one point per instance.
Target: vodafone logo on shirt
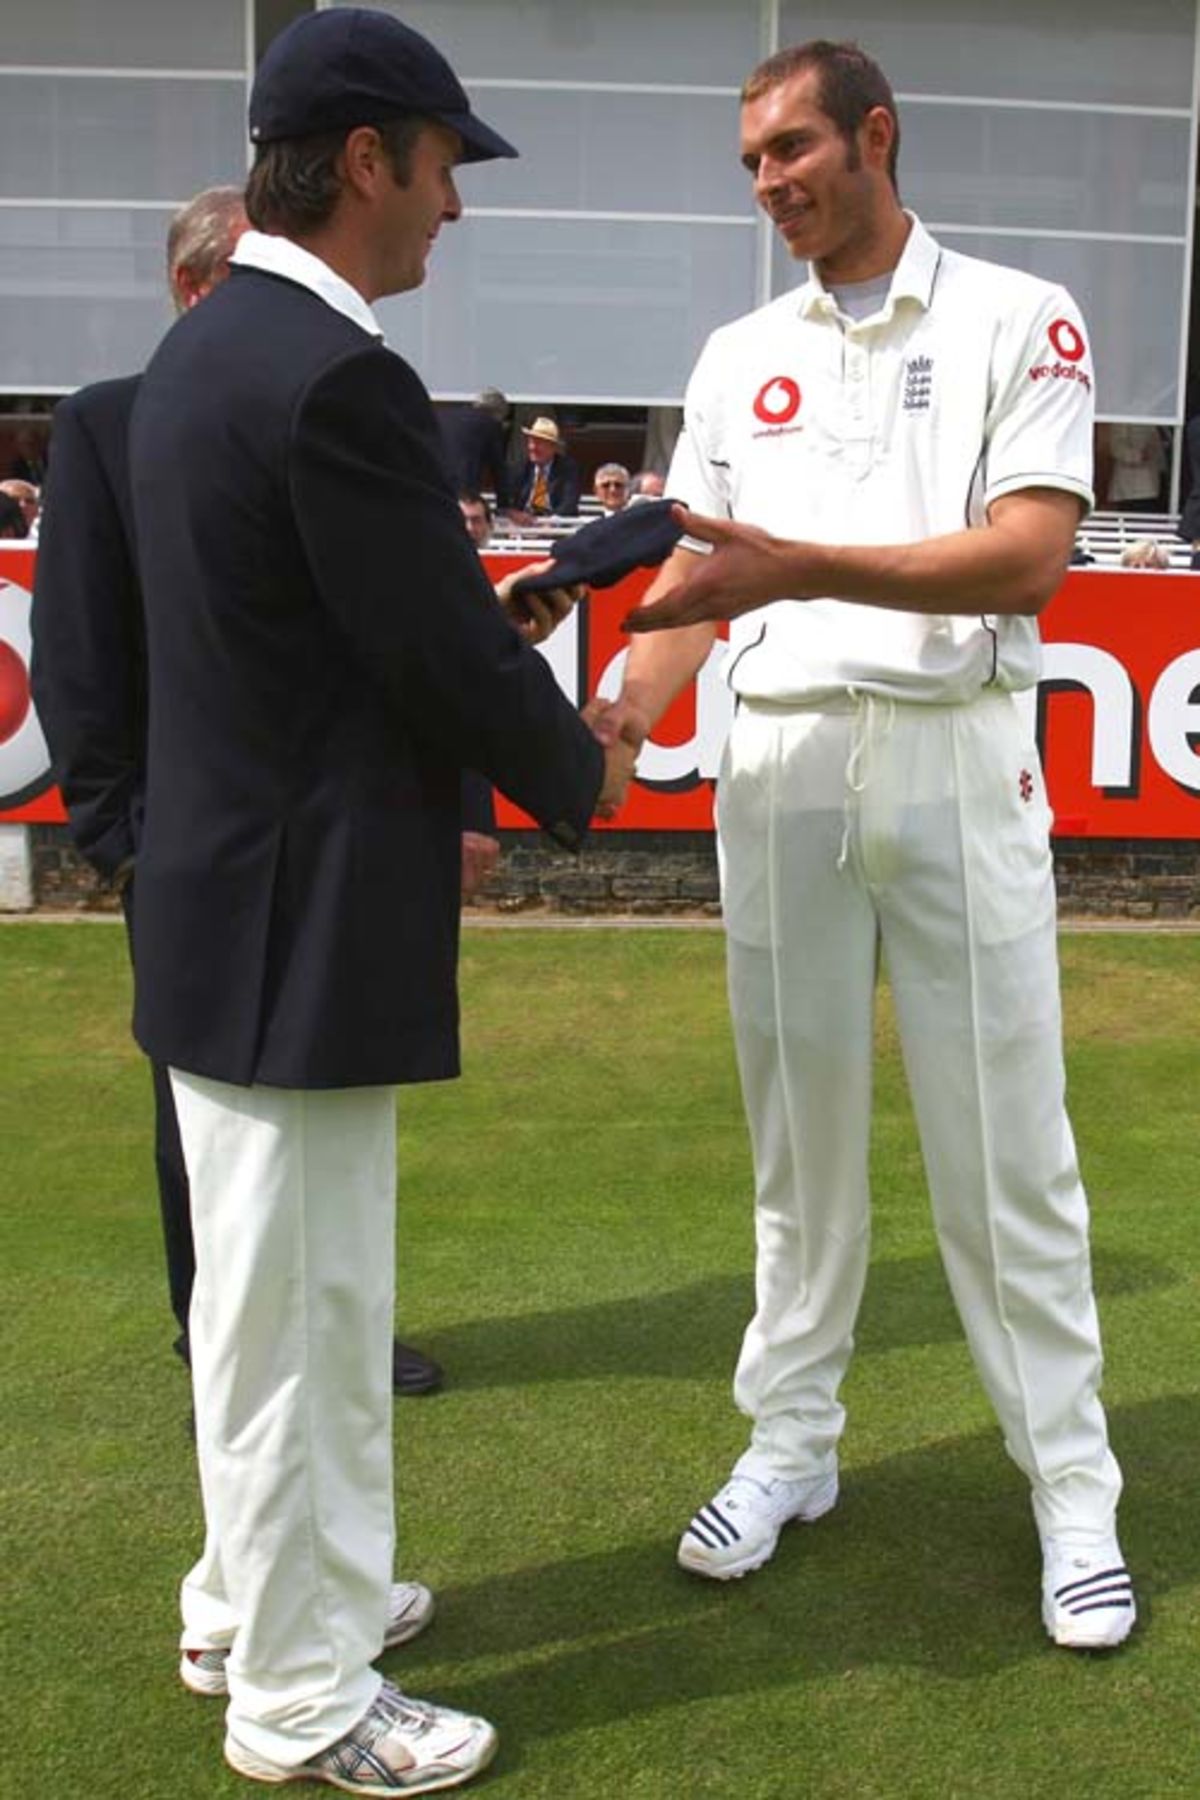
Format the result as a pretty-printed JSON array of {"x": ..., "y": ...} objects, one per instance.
[
  {"x": 1067, "y": 342},
  {"x": 776, "y": 404}
]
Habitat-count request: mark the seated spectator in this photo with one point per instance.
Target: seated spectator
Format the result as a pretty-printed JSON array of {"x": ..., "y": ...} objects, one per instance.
[
  {"x": 549, "y": 482},
  {"x": 477, "y": 517},
  {"x": 28, "y": 498},
  {"x": 611, "y": 486},
  {"x": 1145, "y": 554},
  {"x": 473, "y": 438},
  {"x": 647, "y": 484},
  {"x": 30, "y": 445},
  {"x": 12, "y": 519}
]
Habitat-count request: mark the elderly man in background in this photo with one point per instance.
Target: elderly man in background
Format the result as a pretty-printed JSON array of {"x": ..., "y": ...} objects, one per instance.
[
  {"x": 611, "y": 486},
  {"x": 89, "y": 657},
  {"x": 549, "y": 483},
  {"x": 648, "y": 484},
  {"x": 28, "y": 498}
]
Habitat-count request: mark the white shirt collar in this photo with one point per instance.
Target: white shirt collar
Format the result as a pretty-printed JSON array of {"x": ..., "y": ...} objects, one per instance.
[
  {"x": 912, "y": 278},
  {"x": 280, "y": 256}
]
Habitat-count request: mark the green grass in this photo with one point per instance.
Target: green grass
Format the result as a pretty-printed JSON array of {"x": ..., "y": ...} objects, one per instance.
[{"x": 575, "y": 1246}]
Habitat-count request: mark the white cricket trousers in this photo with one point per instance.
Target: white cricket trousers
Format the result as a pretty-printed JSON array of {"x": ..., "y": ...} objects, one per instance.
[
  {"x": 923, "y": 830},
  {"x": 293, "y": 1215}
]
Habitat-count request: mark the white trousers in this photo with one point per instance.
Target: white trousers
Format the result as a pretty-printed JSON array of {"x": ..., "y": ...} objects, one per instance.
[
  {"x": 293, "y": 1214},
  {"x": 924, "y": 830}
]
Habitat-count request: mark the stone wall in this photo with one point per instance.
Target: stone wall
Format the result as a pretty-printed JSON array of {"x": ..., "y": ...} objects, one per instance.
[{"x": 668, "y": 874}]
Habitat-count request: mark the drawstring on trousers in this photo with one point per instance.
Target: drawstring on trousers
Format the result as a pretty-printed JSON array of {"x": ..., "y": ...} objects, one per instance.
[{"x": 863, "y": 732}]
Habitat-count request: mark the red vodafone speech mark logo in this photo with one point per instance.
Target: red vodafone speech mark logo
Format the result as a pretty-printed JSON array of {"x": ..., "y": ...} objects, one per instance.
[
  {"x": 777, "y": 401},
  {"x": 14, "y": 692},
  {"x": 1067, "y": 340}
]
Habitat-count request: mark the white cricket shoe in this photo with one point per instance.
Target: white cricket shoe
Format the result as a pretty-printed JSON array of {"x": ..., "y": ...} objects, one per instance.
[
  {"x": 410, "y": 1608},
  {"x": 399, "y": 1746},
  {"x": 739, "y": 1528},
  {"x": 1087, "y": 1593}
]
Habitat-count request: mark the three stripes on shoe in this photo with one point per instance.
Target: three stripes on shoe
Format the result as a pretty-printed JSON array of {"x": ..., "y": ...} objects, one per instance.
[{"x": 1104, "y": 1589}]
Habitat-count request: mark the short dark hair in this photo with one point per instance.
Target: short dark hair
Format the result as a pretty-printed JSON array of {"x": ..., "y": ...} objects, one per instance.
[
  {"x": 12, "y": 519},
  {"x": 468, "y": 497},
  {"x": 850, "y": 84},
  {"x": 294, "y": 183}
]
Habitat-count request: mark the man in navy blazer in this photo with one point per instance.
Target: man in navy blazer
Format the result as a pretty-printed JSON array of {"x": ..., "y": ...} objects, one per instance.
[{"x": 325, "y": 655}]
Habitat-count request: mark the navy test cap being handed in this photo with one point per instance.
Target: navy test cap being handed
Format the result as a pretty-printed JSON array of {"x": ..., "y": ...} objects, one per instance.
[
  {"x": 347, "y": 66},
  {"x": 599, "y": 554}
]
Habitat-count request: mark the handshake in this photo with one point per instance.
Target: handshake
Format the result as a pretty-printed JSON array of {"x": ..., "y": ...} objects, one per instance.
[{"x": 617, "y": 725}]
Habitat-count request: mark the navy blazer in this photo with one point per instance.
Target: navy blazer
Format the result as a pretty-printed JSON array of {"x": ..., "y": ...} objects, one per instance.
[
  {"x": 88, "y": 670},
  {"x": 325, "y": 656}
]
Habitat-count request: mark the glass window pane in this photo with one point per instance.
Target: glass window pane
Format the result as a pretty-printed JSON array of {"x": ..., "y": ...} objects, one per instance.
[
  {"x": 127, "y": 34},
  {"x": 565, "y": 311},
  {"x": 614, "y": 152},
  {"x": 111, "y": 139},
  {"x": 1130, "y": 295},
  {"x": 1114, "y": 51},
  {"x": 984, "y": 165},
  {"x": 673, "y": 41},
  {"x": 82, "y": 294}
]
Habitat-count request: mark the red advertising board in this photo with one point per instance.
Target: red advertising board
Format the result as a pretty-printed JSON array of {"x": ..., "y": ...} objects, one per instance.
[{"x": 1118, "y": 709}]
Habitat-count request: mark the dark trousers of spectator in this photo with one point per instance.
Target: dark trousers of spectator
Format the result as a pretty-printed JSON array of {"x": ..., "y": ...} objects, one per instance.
[{"x": 174, "y": 1200}]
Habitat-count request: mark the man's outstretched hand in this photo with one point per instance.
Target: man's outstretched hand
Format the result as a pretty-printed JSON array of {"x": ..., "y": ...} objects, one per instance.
[{"x": 745, "y": 568}]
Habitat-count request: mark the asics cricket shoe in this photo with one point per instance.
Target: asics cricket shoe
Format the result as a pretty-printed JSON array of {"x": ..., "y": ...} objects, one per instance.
[
  {"x": 1087, "y": 1593},
  {"x": 399, "y": 1746},
  {"x": 410, "y": 1608},
  {"x": 739, "y": 1528}
]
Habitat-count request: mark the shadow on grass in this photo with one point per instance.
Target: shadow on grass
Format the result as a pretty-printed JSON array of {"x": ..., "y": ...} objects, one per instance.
[
  {"x": 929, "y": 1561},
  {"x": 694, "y": 1332}
]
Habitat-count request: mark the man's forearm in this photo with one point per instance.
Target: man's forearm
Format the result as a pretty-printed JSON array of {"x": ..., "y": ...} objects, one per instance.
[
  {"x": 1014, "y": 564},
  {"x": 659, "y": 668}
]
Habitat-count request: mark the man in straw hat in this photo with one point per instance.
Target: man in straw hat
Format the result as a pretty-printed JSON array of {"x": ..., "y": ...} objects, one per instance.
[{"x": 549, "y": 482}]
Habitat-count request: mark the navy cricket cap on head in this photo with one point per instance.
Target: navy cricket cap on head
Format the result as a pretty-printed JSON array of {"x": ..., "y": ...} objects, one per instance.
[
  {"x": 599, "y": 554},
  {"x": 349, "y": 66}
]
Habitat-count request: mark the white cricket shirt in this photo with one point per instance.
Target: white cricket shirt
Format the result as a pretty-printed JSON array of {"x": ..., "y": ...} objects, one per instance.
[{"x": 971, "y": 381}]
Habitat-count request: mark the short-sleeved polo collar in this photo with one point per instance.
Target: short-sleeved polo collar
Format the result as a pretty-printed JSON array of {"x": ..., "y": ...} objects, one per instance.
[{"x": 913, "y": 278}]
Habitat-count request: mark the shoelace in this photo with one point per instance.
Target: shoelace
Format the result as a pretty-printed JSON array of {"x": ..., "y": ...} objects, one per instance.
[{"x": 391, "y": 1706}]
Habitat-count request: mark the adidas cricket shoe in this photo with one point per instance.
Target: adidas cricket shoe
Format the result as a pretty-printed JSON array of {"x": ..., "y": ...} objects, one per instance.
[
  {"x": 1087, "y": 1594},
  {"x": 410, "y": 1608},
  {"x": 399, "y": 1746},
  {"x": 738, "y": 1529}
]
